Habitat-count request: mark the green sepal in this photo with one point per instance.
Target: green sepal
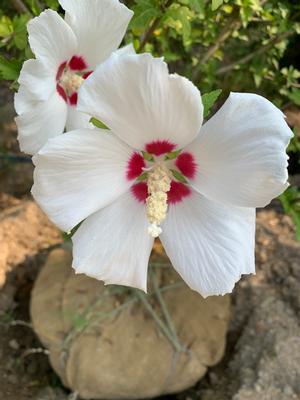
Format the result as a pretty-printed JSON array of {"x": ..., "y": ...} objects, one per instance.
[
  {"x": 177, "y": 175},
  {"x": 147, "y": 156},
  {"x": 97, "y": 123},
  {"x": 173, "y": 154},
  {"x": 142, "y": 177}
]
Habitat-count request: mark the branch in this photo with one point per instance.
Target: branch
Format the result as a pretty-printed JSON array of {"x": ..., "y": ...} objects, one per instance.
[
  {"x": 224, "y": 34},
  {"x": 20, "y": 6},
  {"x": 227, "y": 31},
  {"x": 256, "y": 52},
  {"x": 152, "y": 27}
]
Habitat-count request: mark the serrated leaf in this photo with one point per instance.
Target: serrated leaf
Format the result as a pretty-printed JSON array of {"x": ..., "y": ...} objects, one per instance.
[
  {"x": 209, "y": 99},
  {"x": 97, "y": 123},
  {"x": 215, "y": 4}
]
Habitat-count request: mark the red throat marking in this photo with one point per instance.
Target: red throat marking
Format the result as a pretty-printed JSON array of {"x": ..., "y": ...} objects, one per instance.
[
  {"x": 135, "y": 166},
  {"x": 75, "y": 64},
  {"x": 176, "y": 194},
  {"x": 159, "y": 147}
]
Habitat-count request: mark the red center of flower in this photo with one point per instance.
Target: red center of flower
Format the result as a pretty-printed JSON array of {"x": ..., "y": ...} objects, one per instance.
[
  {"x": 69, "y": 78},
  {"x": 184, "y": 163}
]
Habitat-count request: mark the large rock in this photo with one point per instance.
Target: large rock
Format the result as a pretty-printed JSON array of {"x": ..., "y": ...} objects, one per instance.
[{"x": 104, "y": 343}]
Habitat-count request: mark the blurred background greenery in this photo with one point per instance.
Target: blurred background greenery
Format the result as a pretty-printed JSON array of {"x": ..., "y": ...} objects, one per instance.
[{"x": 233, "y": 45}]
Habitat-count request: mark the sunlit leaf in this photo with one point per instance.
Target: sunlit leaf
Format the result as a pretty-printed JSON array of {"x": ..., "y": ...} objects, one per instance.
[
  {"x": 209, "y": 99},
  {"x": 216, "y": 4}
]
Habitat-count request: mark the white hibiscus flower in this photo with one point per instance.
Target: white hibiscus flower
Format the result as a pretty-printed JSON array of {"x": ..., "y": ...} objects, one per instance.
[
  {"x": 66, "y": 51},
  {"x": 158, "y": 173}
]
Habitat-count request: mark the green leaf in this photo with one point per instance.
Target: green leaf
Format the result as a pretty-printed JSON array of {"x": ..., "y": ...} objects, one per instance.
[
  {"x": 216, "y": 4},
  {"x": 177, "y": 175},
  {"x": 20, "y": 31},
  {"x": 52, "y": 4},
  {"x": 198, "y": 6},
  {"x": 209, "y": 99},
  {"x": 97, "y": 123},
  {"x": 9, "y": 69},
  {"x": 144, "y": 12},
  {"x": 179, "y": 18},
  {"x": 6, "y": 26}
]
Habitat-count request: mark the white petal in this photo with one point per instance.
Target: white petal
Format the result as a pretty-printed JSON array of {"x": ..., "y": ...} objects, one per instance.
[
  {"x": 38, "y": 79},
  {"x": 77, "y": 119},
  {"x": 125, "y": 50},
  {"x": 240, "y": 152},
  {"x": 24, "y": 100},
  {"x": 135, "y": 96},
  {"x": 209, "y": 244},
  {"x": 42, "y": 121},
  {"x": 79, "y": 173},
  {"x": 51, "y": 39},
  {"x": 112, "y": 245},
  {"x": 99, "y": 26}
]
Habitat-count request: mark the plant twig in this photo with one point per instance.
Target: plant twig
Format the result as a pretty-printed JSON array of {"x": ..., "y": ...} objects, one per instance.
[
  {"x": 256, "y": 52},
  {"x": 142, "y": 297},
  {"x": 224, "y": 34},
  {"x": 152, "y": 27},
  {"x": 165, "y": 311},
  {"x": 20, "y": 6}
]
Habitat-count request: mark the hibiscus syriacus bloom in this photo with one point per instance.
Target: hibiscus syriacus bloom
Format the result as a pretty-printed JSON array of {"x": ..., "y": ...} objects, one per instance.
[
  {"x": 158, "y": 173},
  {"x": 66, "y": 51}
]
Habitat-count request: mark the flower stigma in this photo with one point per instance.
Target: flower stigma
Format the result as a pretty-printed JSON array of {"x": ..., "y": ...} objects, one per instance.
[
  {"x": 159, "y": 184},
  {"x": 70, "y": 76},
  {"x": 71, "y": 81},
  {"x": 162, "y": 174}
]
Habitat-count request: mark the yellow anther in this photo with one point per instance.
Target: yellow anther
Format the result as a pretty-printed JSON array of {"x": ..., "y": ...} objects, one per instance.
[
  {"x": 71, "y": 81},
  {"x": 159, "y": 183}
]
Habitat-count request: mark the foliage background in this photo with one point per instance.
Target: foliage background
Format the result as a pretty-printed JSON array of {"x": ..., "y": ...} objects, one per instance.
[{"x": 234, "y": 45}]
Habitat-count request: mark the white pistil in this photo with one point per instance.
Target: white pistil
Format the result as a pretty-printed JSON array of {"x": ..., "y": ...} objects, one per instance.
[
  {"x": 159, "y": 183},
  {"x": 71, "y": 81}
]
